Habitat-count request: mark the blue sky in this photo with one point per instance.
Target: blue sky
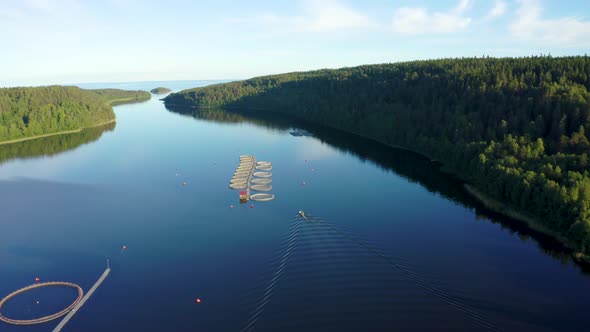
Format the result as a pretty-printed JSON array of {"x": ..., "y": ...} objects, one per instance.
[{"x": 77, "y": 41}]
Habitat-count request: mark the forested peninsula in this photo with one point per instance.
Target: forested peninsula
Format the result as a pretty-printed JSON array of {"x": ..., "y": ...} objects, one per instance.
[
  {"x": 160, "y": 90},
  {"x": 32, "y": 112},
  {"x": 513, "y": 128},
  {"x": 117, "y": 96}
]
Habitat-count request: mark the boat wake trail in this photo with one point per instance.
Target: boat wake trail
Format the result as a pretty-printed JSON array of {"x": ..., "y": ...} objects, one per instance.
[
  {"x": 418, "y": 280},
  {"x": 286, "y": 249},
  {"x": 333, "y": 264}
]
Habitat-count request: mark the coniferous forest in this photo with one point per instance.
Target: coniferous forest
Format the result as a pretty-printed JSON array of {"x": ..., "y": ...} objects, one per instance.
[
  {"x": 516, "y": 128},
  {"x": 118, "y": 96},
  {"x": 35, "y": 111},
  {"x": 160, "y": 90}
]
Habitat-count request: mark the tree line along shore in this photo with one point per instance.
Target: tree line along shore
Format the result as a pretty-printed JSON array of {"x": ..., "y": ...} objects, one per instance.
[
  {"x": 33, "y": 112},
  {"x": 514, "y": 128}
]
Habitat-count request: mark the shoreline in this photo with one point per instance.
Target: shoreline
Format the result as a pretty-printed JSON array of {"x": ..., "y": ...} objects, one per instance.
[
  {"x": 530, "y": 220},
  {"x": 489, "y": 202},
  {"x": 64, "y": 132},
  {"x": 130, "y": 100},
  {"x": 496, "y": 205},
  {"x": 504, "y": 209},
  {"x": 112, "y": 103}
]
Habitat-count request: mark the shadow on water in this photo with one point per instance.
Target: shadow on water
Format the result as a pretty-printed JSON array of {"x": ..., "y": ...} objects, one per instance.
[
  {"x": 407, "y": 164},
  {"x": 52, "y": 145},
  {"x": 268, "y": 121}
]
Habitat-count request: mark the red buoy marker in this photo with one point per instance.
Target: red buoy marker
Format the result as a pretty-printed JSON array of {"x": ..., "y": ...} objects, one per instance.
[
  {"x": 198, "y": 300},
  {"x": 37, "y": 279},
  {"x": 251, "y": 206}
]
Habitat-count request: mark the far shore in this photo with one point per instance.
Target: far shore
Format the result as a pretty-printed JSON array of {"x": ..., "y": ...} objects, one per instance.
[
  {"x": 114, "y": 102},
  {"x": 64, "y": 132}
]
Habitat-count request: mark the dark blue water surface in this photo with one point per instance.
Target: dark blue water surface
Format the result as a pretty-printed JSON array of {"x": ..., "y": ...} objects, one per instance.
[{"x": 390, "y": 244}]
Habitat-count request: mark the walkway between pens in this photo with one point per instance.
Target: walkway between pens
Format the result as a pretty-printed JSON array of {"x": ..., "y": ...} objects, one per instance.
[{"x": 71, "y": 314}]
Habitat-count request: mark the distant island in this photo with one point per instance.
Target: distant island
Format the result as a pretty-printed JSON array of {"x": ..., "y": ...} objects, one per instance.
[
  {"x": 160, "y": 90},
  {"x": 513, "y": 128},
  {"x": 34, "y": 112}
]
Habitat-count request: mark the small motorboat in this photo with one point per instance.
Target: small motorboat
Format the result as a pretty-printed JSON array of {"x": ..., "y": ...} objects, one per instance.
[{"x": 302, "y": 214}]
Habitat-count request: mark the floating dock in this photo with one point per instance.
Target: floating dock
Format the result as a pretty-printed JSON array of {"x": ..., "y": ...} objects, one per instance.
[
  {"x": 71, "y": 314},
  {"x": 300, "y": 132}
]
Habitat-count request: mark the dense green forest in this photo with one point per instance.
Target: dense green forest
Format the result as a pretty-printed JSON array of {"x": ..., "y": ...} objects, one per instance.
[
  {"x": 35, "y": 111},
  {"x": 513, "y": 127},
  {"x": 160, "y": 90},
  {"x": 117, "y": 96}
]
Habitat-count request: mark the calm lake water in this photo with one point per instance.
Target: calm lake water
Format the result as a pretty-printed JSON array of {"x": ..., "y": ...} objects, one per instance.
[{"x": 390, "y": 244}]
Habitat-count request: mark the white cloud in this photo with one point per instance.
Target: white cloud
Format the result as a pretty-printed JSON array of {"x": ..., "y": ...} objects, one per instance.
[
  {"x": 565, "y": 31},
  {"x": 498, "y": 10},
  {"x": 315, "y": 16},
  {"x": 332, "y": 15},
  {"x": 416, "y": 20},
  {"x": 462, "y": 6}
]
